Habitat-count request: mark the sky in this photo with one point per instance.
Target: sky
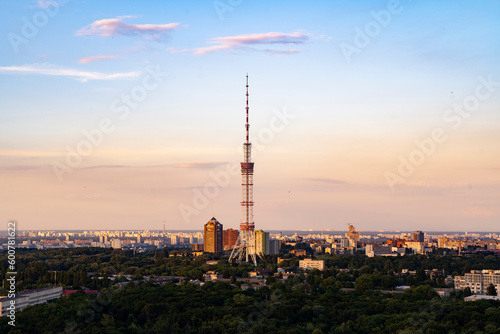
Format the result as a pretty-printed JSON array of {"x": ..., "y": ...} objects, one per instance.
[{"x": 126, "y": 114}]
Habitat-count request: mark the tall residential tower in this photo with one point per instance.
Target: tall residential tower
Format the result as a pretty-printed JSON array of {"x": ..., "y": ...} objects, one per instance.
[{"x": 213, "y": 236}]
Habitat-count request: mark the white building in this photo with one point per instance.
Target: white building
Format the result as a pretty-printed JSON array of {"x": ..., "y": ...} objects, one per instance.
[
  {"x": 344, "y": 243},
  {"x": 383, "y": 250},
  {"x": 416, "y": 246},
  {"x": 478, "y": 281},
  {"x": 481, "y": 297},
  {"x": 116, "y": 243},
  {"x": 32, "y": 297},
  {"x": 309, "y": 264}
]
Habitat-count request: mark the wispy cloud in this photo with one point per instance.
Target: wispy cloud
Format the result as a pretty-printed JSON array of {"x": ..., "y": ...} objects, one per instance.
[
  {"x": 188, "y": 165},
  {"x": 19, "y": 168},
  {"x": 200, "y": 165},
  {"x": 250, "y": 41},
  {"x": 45, "y": 69},
  {"x": 116, "y": 27},
  {"x": 92, "y": 59},
  {"x": 9, "y": 154},
  {"x": 326, "y": 180},
  {"x": 110, "y": 166},
  {"x": 282, "y": 52}
]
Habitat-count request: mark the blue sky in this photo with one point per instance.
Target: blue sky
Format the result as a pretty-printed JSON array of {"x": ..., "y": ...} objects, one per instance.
[{"x": 353, "y": 117}]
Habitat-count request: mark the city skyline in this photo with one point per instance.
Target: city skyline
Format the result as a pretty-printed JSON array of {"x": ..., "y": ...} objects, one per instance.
[{"x": 380, "y": 114}]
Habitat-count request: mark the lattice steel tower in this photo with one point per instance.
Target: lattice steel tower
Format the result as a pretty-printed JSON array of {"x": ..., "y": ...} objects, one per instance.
[{"x": 244, "y": 249}]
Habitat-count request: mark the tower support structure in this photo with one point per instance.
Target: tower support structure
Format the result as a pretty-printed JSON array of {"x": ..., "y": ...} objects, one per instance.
[{"x": 244, "y": 248}]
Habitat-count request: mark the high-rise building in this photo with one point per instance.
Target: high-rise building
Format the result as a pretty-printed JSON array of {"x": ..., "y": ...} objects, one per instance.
[
  {"x": 274, "y": 246},
  {"x": 344, "y": 243},
  {"x": 116, "y": 243},
  {"x": 213, "y": 236},
  {"x": 261, "y": 242},
  {"x": 230, "y": 236},
  {"x": 417, "y": 236},
  {"x": 353, "y": 236},
  {"x": 197, "y": 247}
]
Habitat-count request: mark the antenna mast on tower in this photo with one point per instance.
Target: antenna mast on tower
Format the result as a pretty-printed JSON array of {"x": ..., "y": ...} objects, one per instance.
[{"x": 244, "y": 248}]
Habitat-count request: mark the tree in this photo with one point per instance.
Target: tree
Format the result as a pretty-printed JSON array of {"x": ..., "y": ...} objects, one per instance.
[
  {"x": 420, "y": 275},
  {"x": 364, "y": 283},
  {"x": 270, "y": 280},
  {"x": 491, "y": 290},
  {"x": 388, "y": 265}
]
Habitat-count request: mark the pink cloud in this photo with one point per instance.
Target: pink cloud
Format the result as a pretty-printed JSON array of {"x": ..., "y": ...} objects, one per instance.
[
  {"x": 244, "y": 41},
  {"x": 267, "y": 38},
  {"x": 116, "y": 27},
  {"x": 91, "y": 59}
]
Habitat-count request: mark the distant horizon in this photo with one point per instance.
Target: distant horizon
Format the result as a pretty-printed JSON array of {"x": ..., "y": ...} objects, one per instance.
[{"x": 271, "y": 231}]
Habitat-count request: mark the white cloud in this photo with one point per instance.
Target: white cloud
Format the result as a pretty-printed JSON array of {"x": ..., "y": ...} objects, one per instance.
[{"x": 45, "y": 69}]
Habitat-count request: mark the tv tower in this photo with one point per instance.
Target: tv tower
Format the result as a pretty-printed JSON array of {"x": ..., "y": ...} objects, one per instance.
[{"x": 244, "y": 248}]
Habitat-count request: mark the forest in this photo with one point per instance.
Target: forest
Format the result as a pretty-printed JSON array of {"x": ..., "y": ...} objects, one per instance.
[{"x": 347, "y": 297}]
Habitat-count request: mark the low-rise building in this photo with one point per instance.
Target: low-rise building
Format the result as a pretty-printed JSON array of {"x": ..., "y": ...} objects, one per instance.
[
  {"x": 298, "y": 252},
  {"x": 478, "y": 281},
  {"x": 309, "y": 264},
  {"x": 212, "y": 276},
  {"x": 383, "y": 250},
  {"x": 260, "y": 273},
  {"x": 480, "y": 297},
  {"x": 30, "y": 297}
]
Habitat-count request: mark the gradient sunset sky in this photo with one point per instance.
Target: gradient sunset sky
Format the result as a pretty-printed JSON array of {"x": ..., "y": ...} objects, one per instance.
[{"x": 341, "y": 92}]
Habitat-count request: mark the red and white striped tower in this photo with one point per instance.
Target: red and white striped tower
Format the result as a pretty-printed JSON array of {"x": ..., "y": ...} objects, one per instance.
[{"x": 244, "y": 249}]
